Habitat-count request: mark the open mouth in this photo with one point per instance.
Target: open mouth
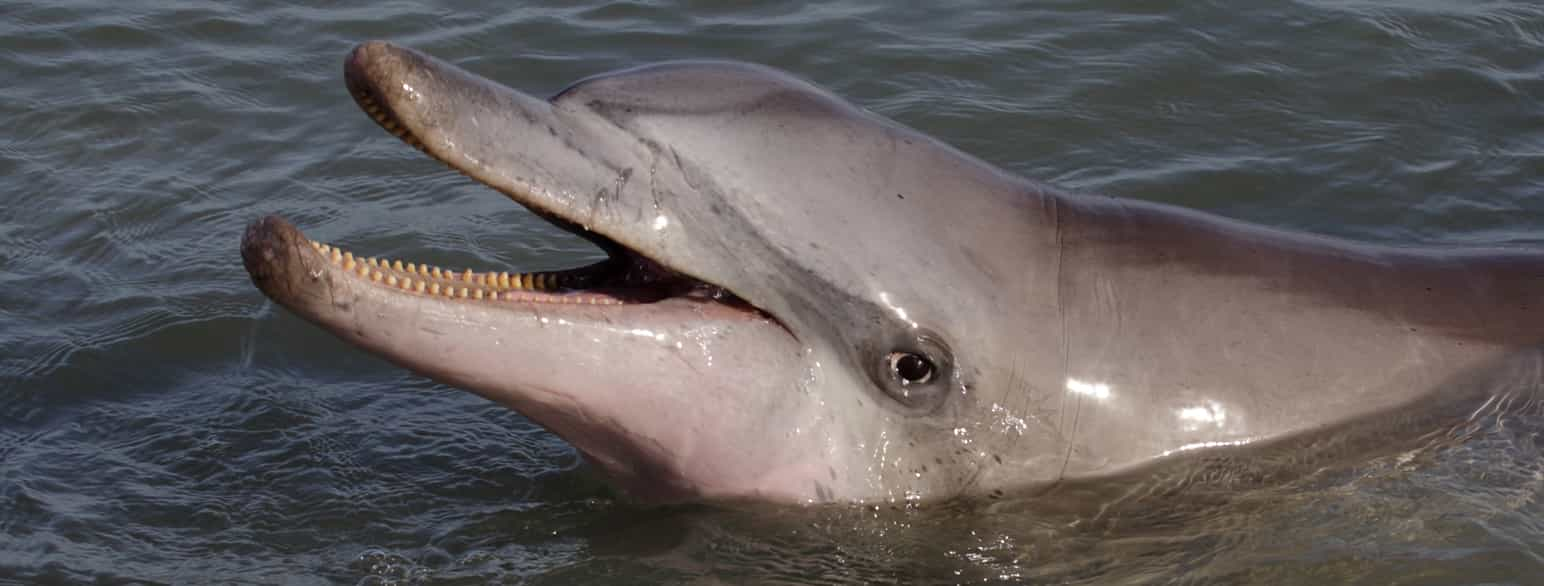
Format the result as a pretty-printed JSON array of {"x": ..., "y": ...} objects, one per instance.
[{"x": 624, "y": 277}]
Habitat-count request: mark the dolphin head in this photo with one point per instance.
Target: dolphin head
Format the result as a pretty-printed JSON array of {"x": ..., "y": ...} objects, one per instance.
[{"x": 803, "y": 301}]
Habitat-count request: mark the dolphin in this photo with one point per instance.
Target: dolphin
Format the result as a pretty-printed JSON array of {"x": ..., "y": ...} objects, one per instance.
[{"x": 805, "y": 302}]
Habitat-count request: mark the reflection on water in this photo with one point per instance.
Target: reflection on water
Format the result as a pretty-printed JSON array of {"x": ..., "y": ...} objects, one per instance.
[{"x": 160, "y": 421}]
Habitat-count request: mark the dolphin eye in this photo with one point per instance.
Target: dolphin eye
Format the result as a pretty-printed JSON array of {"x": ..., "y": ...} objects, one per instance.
[
  {"x": 912, "y": 368},
  {"x": 917, "y": 371}
]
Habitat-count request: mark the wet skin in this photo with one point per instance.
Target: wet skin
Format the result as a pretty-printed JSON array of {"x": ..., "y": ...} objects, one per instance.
[{"x": 806, "y": 302}]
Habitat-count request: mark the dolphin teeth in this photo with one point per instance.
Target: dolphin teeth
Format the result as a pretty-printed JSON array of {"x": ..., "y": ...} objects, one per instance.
[{"x": 506, "y": 286}]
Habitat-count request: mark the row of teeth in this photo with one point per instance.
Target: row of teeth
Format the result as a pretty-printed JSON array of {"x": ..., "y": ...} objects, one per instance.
[
  {"x": 490, "y": 286},
  {"x": 390, "y": 124}
]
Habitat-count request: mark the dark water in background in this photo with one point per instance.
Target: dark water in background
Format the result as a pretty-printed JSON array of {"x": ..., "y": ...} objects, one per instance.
[{"x": 160, "y": 421}]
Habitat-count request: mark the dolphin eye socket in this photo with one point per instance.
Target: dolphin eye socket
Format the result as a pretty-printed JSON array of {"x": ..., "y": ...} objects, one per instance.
[
  {"x": 911, "y": 368},
  {"x": 917, "y": 372}
]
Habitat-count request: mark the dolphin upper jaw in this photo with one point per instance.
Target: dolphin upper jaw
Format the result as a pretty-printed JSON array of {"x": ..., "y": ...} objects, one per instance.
[{"x": 569, "y": 166}]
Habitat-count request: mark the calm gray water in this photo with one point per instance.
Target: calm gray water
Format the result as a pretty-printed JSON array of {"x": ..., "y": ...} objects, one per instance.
[{"x": 161, "y": 422}]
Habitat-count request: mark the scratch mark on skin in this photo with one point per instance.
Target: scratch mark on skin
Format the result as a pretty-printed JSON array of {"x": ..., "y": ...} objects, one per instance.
[
  {"x": 653, "y": 184},
  {"x": 332, "y": 280},
  {"x": 681, "y": 168},
  {"x": 623, "y": 176},
  {"x": 600, "y": 196},
  {"x": 621, "y": 183},
  {"x": 680, "y": 353},
  {"x": 418, "y": 318}
]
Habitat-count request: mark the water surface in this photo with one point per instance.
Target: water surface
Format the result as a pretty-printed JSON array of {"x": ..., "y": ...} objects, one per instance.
[{"x": 161, "y": 422}]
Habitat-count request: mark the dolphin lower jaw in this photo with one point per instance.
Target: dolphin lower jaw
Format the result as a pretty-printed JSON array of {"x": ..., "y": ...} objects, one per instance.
[{"x": 656, "y": 395}]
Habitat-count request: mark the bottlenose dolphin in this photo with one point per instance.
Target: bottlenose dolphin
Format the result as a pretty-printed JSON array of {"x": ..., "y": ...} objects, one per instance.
[{"x": 807, "y": 302}]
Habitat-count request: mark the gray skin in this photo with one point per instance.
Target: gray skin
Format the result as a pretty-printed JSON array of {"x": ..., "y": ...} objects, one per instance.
[{"x": 1071, "y": 337}]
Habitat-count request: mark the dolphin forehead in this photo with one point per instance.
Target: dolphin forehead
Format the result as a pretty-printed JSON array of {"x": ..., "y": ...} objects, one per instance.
[
  {"x": 854, "y": 200},
  {"x": 696, "y": 87}
]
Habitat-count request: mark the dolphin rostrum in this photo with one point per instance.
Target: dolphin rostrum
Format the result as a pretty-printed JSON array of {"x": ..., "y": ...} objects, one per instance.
[{"x": 806, "y": 302}]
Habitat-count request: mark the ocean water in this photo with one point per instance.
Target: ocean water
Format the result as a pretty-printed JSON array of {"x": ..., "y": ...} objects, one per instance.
[{"x": 161, "y": 422}]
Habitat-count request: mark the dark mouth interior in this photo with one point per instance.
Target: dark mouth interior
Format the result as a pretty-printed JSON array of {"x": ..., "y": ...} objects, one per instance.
[{"x": 624, "y": 277}]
